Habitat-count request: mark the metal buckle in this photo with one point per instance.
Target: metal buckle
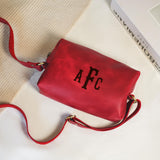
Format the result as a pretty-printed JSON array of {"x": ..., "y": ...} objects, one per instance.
[
  {"x": 70, "y": 117},
  {"x": 132, "y": 97},
  {"x": 40, "y": 64}
]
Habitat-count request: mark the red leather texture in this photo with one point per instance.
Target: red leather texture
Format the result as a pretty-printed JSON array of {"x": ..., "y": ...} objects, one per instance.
[
  {"x": 84, "y": 79},
  {"x": 87, "y": 80}
]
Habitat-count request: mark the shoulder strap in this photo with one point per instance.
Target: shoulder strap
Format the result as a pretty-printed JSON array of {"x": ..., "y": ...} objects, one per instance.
[
  {"x": 80, "y": 123},
  {"x": 38, "y": 66},
  {"x": 74, "y": 120}
]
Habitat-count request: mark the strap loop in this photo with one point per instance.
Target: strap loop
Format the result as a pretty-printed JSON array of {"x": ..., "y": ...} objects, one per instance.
[
  {"x": 132, "y": 97},
  {"x": 71, "y": 117}
]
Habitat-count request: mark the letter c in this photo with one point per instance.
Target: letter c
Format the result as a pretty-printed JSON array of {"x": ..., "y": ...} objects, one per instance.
[{"x": 99, "y": 79}]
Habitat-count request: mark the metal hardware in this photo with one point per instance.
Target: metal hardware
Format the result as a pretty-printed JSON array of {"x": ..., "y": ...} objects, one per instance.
[
  {"x": 132, "y": 97},
  {"x": 70, "y": 117},
  {"x": 42, "y": 63}
]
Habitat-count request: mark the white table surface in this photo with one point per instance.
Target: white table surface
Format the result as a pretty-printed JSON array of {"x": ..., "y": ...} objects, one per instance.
[{"x": 138, "y": 139}]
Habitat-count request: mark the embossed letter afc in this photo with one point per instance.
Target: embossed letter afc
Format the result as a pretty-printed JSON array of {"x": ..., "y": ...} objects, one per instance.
[{"x": 90, "y": 77}]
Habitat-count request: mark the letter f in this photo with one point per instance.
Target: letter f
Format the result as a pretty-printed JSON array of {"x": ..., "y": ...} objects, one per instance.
[{"x": 89, "y": 77}]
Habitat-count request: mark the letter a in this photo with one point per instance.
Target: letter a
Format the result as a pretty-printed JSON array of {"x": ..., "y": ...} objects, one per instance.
[{"x": 79, "y": 75}]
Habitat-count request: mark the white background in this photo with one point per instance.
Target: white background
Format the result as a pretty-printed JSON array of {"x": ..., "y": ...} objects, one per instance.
[{"x": 138, "y": 139}]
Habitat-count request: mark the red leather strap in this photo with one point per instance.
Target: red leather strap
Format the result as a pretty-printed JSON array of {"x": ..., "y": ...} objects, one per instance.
[
  {"x": 38, "y": 66},
  {"x": 24, "y": 115},
  {"x": 78, "y": 122}
]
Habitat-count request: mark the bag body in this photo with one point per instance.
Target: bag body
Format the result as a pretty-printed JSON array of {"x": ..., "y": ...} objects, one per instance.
[{"x": 87, "y": 80}]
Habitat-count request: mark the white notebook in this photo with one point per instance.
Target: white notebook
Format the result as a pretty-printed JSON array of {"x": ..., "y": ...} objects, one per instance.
[{"x": 141, "y": 18}]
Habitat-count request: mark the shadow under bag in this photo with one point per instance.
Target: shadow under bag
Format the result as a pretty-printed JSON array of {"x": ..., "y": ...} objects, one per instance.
[{"x": 86, "y": 80}]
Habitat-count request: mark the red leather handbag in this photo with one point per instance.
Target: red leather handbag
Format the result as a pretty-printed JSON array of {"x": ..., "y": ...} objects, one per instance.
[{"x": 86, "y": 80}]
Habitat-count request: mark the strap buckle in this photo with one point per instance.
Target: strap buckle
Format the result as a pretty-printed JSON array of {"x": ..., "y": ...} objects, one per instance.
[
  {"x": 70, "y": 117},
  {"x": 132, "y": 97},
  {"x": 40, "y": 64}
]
